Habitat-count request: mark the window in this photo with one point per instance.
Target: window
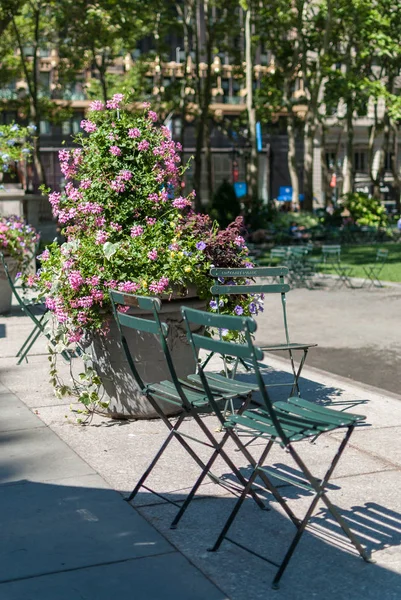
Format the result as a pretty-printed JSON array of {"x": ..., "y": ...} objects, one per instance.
[
  {"x": 44, "y": 128},
  {"x": 388, "y": 161},
  {"x": 330, "y": 160},
  {"x": 360, "y": 162}
]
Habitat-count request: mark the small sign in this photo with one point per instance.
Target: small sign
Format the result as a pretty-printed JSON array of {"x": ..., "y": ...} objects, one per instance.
[
  {"x": 240, "y": 188},
  {"x": 259, "y": 136}
]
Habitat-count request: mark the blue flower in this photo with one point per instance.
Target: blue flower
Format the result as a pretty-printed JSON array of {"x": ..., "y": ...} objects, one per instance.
[
  {"x": 213, "y": 304},
  {"x": 11, "y": 142},
  {"x": 25, "y": 151},
  {"x": 18, "y": 275},
  {"x": 223, "y": 332},
  {"x": 252, "y": 308},
  {"x": 14, "y": 127},
  {"x": 238, "y": 310},
  {"x": 187, "y": 253},
  {"x": 31, "y": 128},
  {"x": 200, "y": 246},
  {"x": 5, "y": 157}
]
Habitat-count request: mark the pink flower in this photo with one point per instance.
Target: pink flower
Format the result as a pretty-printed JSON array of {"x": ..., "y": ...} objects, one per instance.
[
  {"x": 116, "y": 226},
  {"x": 152, "y": 255},
  {"x": 54, "y": 199},
  {"x": 115, "y": 101},
  {"x": 94, "y": 280},
  {"x": 50, "y": 303},
  {"x": 96, "y": 105},
  {"x": 85, "y": 301},
  {"x": 75, "y": 279},
  {"x": 128, "y": 286},
  {"x": 181, "y": 202},
  {"x": 134, "y": 132},
  {"x": 100, "y": 222},
  {"x": 239, "y": 241},
  {"x": 85, "y": 184},
  {"x": 88, "y": 126},
  {"x": 125, "y": 175},
  {"x": 45, "y": 255},
  {"x": 117, "y": 186},
  {"x": 123, "y": 309},
  {"x": 152, "y": 116},
  {"x": 158, "y": 287},
  {"x": 82, "y": 317},
  {"x": 136, "y": 231},
  {"x": 64, "y": 155},
  {"x": 97, "y": 295},
  {"x": 146, "y": 105},
  {"x": 101, "y": 237},
  {"x": 76, "y": 336},
  {"x": 77, "y": 156},
  {"x": 90, "y": 208},
  {"x": 154, "y": 197},
  {"x": 115, "y": 150},
  {"x": 166, "y": 131},
  {"x": 150, "y": 220},
  {"x": 144, "y": 145}
]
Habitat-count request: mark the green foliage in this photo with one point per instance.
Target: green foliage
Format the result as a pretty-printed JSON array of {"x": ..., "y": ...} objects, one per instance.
[
  {"x": 15, "y": 145},
  {"x": 365, "y": 210},
  {"x": 257, "y": 214},
  {"x": 225, "y": 206},
  {"x": 283, "y": 220}
]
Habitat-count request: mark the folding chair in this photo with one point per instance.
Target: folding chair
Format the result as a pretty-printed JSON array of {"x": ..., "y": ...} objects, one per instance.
[
  {"x": 374, "y": 271},
  {"x": 39, "y": 321},
  {"x": 223, "y": 286},
  {"x": 283, "y": 423},
  {"x": 331, "y": 256},
  {"x": 189, "y": 398}
]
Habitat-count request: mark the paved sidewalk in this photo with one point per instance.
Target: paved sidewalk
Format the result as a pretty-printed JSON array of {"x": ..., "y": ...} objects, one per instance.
[
  {"x": 65, "y": 519},
  {"x": 66, "y": 535}
]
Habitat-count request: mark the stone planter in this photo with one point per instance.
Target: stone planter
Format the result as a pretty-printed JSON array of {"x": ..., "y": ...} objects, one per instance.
[
  {"x": 5, "y": 289},
  {"x": 119, "y": 387}
]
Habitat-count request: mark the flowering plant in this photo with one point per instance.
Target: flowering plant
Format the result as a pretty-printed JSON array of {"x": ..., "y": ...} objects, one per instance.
[
  {"x": 18, "y": 239},
  {"x": 14, "y": 144},
  {"x": 126, "y": 227}
]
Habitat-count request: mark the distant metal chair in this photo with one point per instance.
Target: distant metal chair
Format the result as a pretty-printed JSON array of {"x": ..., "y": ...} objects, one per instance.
[
  {"x": 184, "y": 395},
  {"x": 29, "y": 308},
  {"x": 373, "y": 272},
  {"x": 331, "y": 257},
  {"x": 283, "y": 423},
  {"x": 226, "y": 285}
]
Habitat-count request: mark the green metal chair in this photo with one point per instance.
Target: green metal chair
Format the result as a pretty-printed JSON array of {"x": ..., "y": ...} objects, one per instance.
[
  {"x": 225, "y": 278},
  {"x": 183, "y": 395},
  {"x": 30, "y": 308},
  {"x": 331, "y": 257},
  {"x": 282, "y": 423},
  {"x": 373, "y": 272}
]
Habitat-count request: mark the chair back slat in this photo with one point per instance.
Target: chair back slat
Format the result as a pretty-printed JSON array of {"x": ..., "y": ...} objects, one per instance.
[
  {"x": 249, "y": 273},
  {"x": 216, "y": 321},
  {"x": 252, "y": 288},
  {"x": 225, "y": 348},
  {"x": 142, "y": 302},
  {"x": 381, "y": 254},
  {"x": 145, "y": 325}
]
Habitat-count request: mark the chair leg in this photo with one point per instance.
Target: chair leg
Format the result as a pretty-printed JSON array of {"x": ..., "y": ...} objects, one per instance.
[
  {"x": 29, "y": 346},
  {"x": 320, "y": 494},
  {"x": 26, "y": 341}
]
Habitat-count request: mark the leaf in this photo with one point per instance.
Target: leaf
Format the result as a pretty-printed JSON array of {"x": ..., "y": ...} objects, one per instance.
[{"x": 109, "y": 249}]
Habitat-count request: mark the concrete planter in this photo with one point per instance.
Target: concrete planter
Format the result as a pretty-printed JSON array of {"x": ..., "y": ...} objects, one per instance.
[
  {"x": 5, "y": 289},
  {"x": 120, "y": 389}
]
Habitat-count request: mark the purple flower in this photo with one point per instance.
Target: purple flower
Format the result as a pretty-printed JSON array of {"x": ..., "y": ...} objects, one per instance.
[
  {"x": 252, "y": 308},
  {"x": 96, "y": 105},
  {"x": 115, "y": 150},
  {"x": 136, "y": 231},
  {"x": 238, "y": 310},
  {"x": 200, "y": 246},
  {"x": 152, "y": 255},
  {"x": 181, "y": 203},
  {"x": 152, "y": 116},
  {"x": 213, "y": 304},
  {"x": 88, "y": 126},
  {"x": 134, "y": 132},
  {"x": 144, "y": 145}
]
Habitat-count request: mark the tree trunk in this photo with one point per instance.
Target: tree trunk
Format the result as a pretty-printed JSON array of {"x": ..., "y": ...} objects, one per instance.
[
  {"x": 292, "y": 159},
  {"x": 348, "y": 184},
  {"x": 395, "y": 170},
  {"x": 209, "y": 162},
  {"x": 309, "y": 134},
  {"x": 252, "y": 174}
]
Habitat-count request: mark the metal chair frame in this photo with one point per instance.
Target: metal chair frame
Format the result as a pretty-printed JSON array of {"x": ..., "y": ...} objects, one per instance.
[
  {"x": 284, "y": 423},
  {"x": 39, "y": 323},
  {"x": 184, "y": 395},
  {"x": 373, "y": 272}
]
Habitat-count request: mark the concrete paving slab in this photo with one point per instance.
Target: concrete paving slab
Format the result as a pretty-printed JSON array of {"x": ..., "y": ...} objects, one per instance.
[
  {"x": 37, "y": 454},
  {"x": 50, "y": 527},
  {"x": 14, "y": 414},
  {"x": 154, "y": 578}
]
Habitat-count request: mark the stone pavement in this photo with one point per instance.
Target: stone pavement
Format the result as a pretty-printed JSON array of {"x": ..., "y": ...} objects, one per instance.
[{"x": 70, "y": 536}]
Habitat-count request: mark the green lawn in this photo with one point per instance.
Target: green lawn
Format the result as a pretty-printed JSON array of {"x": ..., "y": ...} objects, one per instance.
[{"x": 359, "y": 256}]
